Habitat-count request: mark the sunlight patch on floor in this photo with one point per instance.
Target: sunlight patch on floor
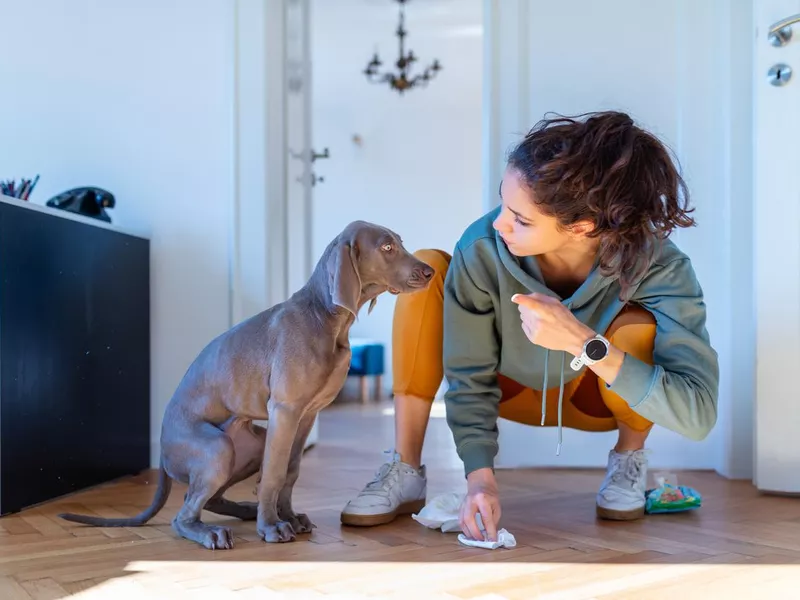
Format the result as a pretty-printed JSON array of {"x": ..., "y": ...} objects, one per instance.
[{"x": 355, "y": 580}]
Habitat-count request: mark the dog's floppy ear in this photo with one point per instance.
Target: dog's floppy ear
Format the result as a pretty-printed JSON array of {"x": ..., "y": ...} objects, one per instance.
[{"x": 345, "y": 280}]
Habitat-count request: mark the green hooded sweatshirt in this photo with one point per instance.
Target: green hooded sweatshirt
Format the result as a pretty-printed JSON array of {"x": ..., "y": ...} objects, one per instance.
[{"x": 483, "y": 337}]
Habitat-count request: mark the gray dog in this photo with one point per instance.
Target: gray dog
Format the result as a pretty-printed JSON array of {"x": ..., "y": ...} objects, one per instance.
[{"x": 284, "y": 365}]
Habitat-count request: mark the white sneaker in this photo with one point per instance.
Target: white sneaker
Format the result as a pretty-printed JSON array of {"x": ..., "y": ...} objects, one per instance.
[
  {"x": 397, "y": 489},
  {"x": 622, "y": 493}
]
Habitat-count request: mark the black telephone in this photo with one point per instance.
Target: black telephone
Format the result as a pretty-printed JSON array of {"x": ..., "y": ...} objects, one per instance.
[{"x": 87, "y": 201}]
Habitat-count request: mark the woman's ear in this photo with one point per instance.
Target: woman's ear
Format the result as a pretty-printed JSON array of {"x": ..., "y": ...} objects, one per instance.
[{"x": 581, "y": 228}]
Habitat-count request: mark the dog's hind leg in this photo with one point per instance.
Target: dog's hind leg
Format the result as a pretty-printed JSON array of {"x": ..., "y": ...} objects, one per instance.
[
  {"x": 249, "y": 444},
  {"x": 246, "y": 511},
  {"x": 209, "y": 459}
]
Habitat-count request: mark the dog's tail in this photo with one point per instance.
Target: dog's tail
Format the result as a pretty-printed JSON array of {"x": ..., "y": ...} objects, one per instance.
[{"x": 160, "y": 499}]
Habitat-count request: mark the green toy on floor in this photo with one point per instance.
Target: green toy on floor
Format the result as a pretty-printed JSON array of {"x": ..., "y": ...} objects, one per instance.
[{"x": 669, "y": 497}]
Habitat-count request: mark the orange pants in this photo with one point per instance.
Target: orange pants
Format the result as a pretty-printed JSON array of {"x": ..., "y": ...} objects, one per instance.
[{"x": 417, "y": 339}]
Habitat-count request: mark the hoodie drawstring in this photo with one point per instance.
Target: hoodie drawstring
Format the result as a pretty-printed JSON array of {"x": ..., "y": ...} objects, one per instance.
[
  {"x": 544, "y": 385},
  {"x": 560, "y": 392},
  {"x": 560, "y": 395},
  {"x": 561, "y": 402}
]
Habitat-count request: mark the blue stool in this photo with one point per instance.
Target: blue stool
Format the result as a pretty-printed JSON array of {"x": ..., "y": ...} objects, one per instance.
[{"x": 367, "y": 361}]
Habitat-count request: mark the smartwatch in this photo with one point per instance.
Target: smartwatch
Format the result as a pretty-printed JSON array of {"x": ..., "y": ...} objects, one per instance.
[{"x": 594, "y": 350}]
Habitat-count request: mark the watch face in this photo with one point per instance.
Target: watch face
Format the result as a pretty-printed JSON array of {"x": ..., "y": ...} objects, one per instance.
[{"x": 596, "y": 350}]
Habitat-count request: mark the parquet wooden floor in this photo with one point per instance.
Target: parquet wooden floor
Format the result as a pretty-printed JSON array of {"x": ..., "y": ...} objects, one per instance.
[{"x": 740, "y": 544}]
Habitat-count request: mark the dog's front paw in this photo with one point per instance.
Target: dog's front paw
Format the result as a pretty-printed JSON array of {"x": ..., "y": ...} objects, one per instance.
[
  {"x": 301, "y": 523},
  {"x": 281, "y": 531},
  {"x": 218, "y": 538}
]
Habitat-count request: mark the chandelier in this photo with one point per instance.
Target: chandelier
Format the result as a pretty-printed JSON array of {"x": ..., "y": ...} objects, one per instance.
[{"x": 401, "y": 81}]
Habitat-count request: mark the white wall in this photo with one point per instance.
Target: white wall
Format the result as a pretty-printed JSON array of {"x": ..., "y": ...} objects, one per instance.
[
  {"x": 658, "y": 62},
  {"x": 134, "y": 97},
  {"x": 419, "y": 168}
]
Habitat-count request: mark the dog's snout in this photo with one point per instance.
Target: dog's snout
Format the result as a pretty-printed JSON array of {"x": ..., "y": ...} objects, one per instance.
[{"x": 424, "y": 272}]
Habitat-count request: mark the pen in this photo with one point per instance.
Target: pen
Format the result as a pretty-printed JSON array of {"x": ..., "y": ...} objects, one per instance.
[{"x": 33, "y": 185}]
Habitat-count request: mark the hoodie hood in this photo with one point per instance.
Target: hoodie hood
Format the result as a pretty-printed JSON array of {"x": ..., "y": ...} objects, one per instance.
[{"x": 525, "y": 270}]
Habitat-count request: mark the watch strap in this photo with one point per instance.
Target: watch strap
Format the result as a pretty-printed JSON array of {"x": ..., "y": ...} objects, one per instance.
[{"x": 583, "y": 358}]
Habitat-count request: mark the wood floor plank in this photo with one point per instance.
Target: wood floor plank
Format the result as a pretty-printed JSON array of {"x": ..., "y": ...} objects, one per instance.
[
  {"x": 44, "y": 589},
  {"x": 739, "y": 541},
  {"x": 10, "y": 589}
]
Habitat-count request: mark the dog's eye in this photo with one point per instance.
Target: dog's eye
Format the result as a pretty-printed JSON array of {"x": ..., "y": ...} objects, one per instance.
[{"x": 386, "y": 247}]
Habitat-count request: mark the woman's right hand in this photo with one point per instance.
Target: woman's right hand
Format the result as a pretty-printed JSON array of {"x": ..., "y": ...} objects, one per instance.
[{"x": 482, "y": 498}]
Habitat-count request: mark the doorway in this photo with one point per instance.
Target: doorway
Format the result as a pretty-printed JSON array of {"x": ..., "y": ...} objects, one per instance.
[{"x": 410, "y": 161}]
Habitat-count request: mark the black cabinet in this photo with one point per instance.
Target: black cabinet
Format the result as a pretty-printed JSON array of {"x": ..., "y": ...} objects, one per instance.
[{"x": 74, "y": 354}]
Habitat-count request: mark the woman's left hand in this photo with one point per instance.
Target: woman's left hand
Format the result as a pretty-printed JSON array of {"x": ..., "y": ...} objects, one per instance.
[{"x": 548, "y": 323}]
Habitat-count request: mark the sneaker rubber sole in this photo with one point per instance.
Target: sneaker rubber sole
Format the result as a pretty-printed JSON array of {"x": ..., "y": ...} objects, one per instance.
[
  {"x": 620, "y": 515},
  {"x": 357, "y": 520}
]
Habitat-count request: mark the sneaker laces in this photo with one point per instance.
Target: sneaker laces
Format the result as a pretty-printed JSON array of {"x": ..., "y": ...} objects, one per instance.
[
  {"x": 628, "y": 467},
  {"x": 385, "y": 477}
]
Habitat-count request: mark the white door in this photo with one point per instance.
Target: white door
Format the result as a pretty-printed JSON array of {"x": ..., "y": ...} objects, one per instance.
[
  {"x": 777, "y": 258},
  {"x": 299, "y": 177},
  {"x": 271, "y": 254},
  {"x": 678, "y": 68},
  {"x": 299, "y": 174}
]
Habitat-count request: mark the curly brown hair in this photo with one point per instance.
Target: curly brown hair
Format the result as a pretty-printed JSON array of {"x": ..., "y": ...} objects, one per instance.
[{"x": 602, "y": 168}]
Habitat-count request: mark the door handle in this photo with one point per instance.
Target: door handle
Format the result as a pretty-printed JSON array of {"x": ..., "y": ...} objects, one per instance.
[
  {"x": 317, "y": 155},
  {"x": 780, "y": 32},
  {"x": 313, "y": 155}
]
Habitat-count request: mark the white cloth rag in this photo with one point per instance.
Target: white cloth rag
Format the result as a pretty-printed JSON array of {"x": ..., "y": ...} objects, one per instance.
[{"x": 441, "y": 512}]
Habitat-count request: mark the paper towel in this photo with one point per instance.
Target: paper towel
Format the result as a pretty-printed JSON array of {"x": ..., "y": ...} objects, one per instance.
[
  {"x": 441, "y": 512},
  {"x": 504, "y": 540}
]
